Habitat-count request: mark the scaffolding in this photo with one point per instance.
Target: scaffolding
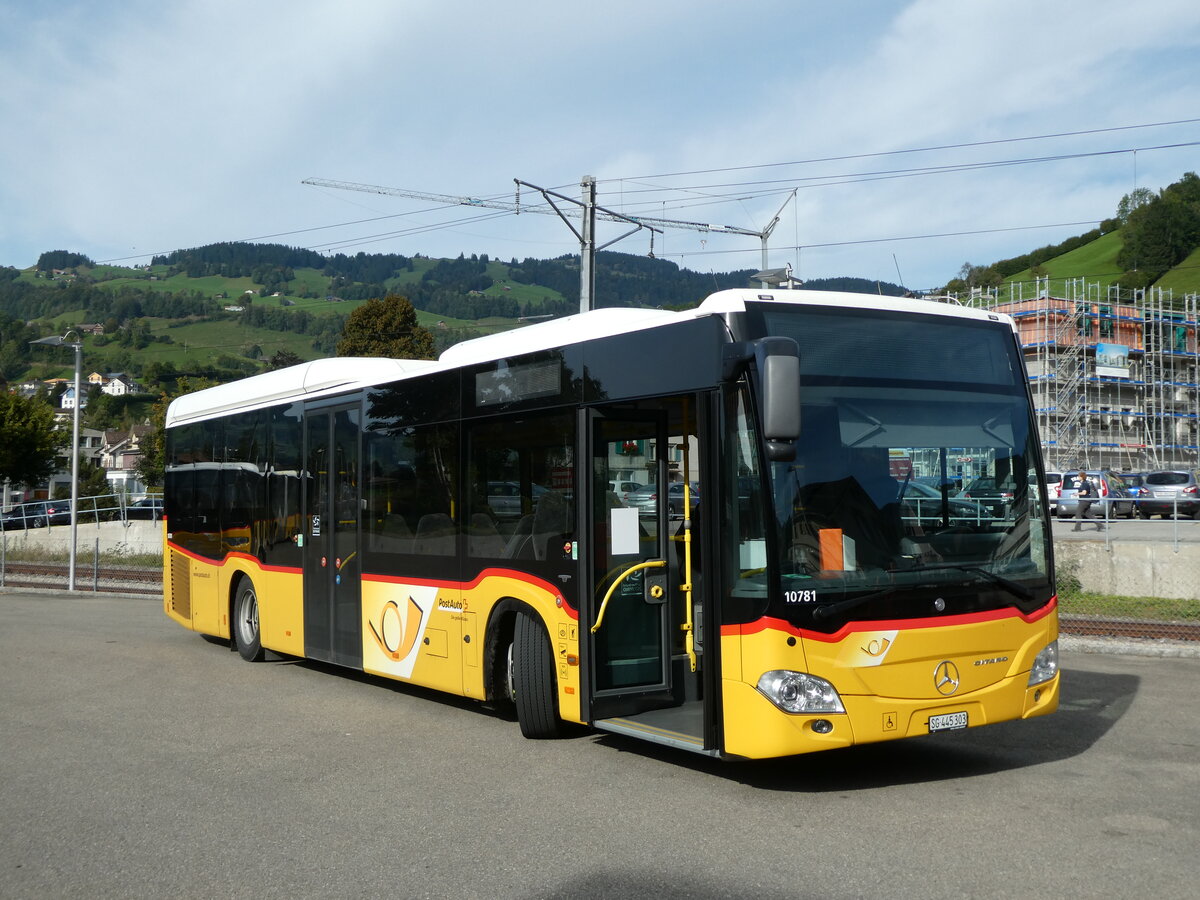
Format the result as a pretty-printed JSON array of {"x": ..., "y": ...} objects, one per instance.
[{"x": 1115, "y": 374}]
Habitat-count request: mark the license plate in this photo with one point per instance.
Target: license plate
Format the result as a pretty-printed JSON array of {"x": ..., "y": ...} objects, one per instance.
[{"x": 948, "y": 722}]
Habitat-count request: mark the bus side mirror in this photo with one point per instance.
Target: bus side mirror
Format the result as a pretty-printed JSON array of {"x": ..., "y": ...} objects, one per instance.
[{"x": 778, "y": 361}]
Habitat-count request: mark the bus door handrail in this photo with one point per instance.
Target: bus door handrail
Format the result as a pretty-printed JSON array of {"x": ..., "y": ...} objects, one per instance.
[{"x": 648, "y": 564}]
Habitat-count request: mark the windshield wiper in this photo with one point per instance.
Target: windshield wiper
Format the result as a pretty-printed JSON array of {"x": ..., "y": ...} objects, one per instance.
[
  {"x": 1008, "y": 584},
  {"x": 828, "y": 612}
]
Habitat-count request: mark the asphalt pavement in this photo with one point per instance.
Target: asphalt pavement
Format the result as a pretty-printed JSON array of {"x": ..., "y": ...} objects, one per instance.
[{"x": 139, "y": 760}]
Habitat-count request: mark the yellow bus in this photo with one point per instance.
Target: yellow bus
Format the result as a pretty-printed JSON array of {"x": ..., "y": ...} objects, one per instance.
[{"x": 737, "y": 530}]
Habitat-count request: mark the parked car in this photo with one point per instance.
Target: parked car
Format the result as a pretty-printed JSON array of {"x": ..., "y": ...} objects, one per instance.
[
  {"x": 645, "y": 499},
  {"x": 923, "y": 502},
  {"x": 1110, "y": 495},
  {"x": 1053, "y": 483},
  {"x": 1136, "y": 482},
  {"x": 149, "y": 508},
  {"x": 1171, "y": 492},
  {"x": 623, "y": 488},
  {"x": 998, "y": 498},
  {"x": 36, "y": 514},
  {"x": 675, "y": 498},
  {"x": 504, "y": 498}
]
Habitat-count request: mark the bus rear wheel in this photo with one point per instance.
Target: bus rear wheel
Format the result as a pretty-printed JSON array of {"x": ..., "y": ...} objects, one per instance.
[
  {"x": 245, "y": 623},
  {"x": 531, "y": 681}
]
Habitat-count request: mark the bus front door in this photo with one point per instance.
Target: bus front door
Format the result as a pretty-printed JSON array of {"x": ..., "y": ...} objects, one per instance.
[
  {"x": 635, "y": 598},
  {"x": 332, "y": 597}
]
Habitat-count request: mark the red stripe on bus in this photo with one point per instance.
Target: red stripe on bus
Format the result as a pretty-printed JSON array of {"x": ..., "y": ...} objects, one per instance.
[
  {"x": 233, "y": 554},
  {"x": 471, "y": 585},
  {"x": 398, "y": 579},
  {"x": 767, "y": 623}
]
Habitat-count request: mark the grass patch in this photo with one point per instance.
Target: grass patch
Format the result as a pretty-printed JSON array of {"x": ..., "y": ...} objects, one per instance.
[
  {"x": 84, "y": 557},
  {"x": 1185, "y": 277},
  {"x": 1094, "y": 262},
  {"x": 1073, "y": 600},
  {"x": 1153, "y": 609}
]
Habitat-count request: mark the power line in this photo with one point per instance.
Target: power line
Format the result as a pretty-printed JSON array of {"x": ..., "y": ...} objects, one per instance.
[
  {"x": 886, "y": 174},
  {"x": 775, "y": 187},
  {"x": 802, "y": 162},
  {"x": 887, "y": 240}
]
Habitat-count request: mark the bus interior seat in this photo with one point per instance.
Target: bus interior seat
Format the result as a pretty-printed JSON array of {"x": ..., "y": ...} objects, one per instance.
[
  {"x": 482, "y": 537},
  {"x": 519, "y": 543},
  {"x": 551, "y": 521},
  {"x": 392, "y": 534},
  {"x": 435, "y": 535}
]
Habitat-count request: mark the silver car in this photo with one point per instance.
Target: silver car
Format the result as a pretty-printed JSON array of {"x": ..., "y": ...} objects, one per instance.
[
  {"x": 1170, "y": 492},
  {"x": 1110, "y": 495}
]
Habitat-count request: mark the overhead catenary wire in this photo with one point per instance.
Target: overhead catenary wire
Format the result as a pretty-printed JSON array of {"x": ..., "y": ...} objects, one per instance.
[
  {"x": 958, "y": 146},
  {"x": 748, "y": 190}
]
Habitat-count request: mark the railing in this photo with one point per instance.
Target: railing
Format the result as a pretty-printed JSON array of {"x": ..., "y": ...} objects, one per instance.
[
  {"x": 110, "y": 555},
  {"x": 100, "y": 508}
]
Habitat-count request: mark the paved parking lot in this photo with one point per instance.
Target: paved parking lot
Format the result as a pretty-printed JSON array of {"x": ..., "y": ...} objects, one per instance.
[{"x": 138, "y": 760}]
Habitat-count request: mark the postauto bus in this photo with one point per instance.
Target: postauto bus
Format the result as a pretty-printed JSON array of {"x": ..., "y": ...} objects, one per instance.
[{"x": 802, "y": 596}]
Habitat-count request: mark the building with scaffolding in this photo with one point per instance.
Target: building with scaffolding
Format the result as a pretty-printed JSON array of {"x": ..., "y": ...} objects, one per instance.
[{"x": 1115, "y": 374}]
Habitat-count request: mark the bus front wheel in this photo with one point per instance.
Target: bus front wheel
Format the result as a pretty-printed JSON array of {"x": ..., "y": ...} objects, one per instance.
[
  {"x": 245, "y": 623},
  {"x": 532, "y": 678}
]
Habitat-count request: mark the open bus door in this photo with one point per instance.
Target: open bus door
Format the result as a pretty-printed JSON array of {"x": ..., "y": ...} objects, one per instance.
[{"x": 639, "y": 624}]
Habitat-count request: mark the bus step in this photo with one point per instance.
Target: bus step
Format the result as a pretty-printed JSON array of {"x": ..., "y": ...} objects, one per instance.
[{"x": 655, "y": 734}]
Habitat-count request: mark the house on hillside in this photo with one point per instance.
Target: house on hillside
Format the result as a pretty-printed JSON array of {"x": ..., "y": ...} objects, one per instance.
[
  {"x": 120, "y": 453},
  {"x": 67, "y": 400},
  {"x": 118, "y": 384},
  {"x": 90, "y": 441}
]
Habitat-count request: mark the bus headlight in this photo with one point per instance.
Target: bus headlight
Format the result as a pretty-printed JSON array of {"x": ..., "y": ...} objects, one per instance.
[
  {"x": 1045, "y": 666},
  {"x": 798, "y": 692}
]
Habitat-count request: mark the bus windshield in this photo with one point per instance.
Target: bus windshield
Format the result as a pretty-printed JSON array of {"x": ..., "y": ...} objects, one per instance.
[{"x": 909, "y": 494}]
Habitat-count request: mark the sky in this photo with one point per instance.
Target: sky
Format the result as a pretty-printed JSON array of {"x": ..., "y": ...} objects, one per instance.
[{"x": 892, "y": 140}]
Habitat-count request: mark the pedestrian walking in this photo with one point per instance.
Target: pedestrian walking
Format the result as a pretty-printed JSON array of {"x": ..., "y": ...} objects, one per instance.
[{"x": 1084, "y": 497}]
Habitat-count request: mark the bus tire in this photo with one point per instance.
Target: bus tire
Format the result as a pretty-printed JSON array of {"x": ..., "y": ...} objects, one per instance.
[
  {"x": 533, "y": 684},
  {"x": 246, "y": 634}
]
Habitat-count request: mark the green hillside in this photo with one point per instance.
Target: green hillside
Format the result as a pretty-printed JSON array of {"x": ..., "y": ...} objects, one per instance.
[
  {"x": 1095, "y": 262},
  {"x": 1153, "y": 241},
  {"x": 1185, "y": 277}
]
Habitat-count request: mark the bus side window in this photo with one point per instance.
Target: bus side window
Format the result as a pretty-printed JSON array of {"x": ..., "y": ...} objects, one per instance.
[
  {"x": 521, "y": 487},
  {"x": 410, "y": 480}
]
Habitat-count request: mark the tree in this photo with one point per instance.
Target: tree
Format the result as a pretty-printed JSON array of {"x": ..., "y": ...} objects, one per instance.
[
  {"x": 1131, "y": 201},
  {"x": 152, "y": 465},
  {"x": 386, "y": 327},
  {"x": 93, "y": 482},
  {"x": 29, "y": 443},
  {"x": 281, "y": 359}
]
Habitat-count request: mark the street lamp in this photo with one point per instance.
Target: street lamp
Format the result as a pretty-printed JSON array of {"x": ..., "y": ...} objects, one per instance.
[{"x": 56, "y": 341}]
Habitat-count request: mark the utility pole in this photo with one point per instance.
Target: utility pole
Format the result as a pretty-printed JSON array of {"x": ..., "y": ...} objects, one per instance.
[
  {"x": 587, "y": 233},
  {"x": 587, "y": 245},
  {"x": 585, "y": 209}
]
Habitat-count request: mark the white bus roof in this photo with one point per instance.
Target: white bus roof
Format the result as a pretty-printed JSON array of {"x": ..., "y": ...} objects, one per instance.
[
  {"x": 331, "y": 376},
  {"x": 305, "y": 381}
]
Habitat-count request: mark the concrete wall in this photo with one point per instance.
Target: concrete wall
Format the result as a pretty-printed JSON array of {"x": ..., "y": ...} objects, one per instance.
[
  {"x": 140, "y": 536},
  {"x": 1132, "y": 568}
]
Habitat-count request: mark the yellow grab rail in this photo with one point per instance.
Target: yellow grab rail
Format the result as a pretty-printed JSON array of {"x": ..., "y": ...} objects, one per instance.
[{"x": 649, "y": 564}]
